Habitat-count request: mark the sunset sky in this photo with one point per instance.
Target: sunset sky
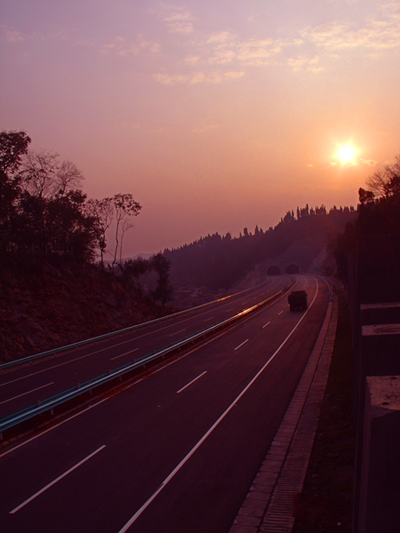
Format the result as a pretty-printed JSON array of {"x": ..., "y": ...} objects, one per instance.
[{"x": 215, "y": 114}]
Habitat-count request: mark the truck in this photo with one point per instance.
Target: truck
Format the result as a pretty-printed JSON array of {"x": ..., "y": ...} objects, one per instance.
[{"x": 297, "y": 300}]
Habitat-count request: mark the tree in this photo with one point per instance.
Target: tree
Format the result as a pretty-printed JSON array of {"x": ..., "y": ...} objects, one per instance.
[
  {"x": 161, "y": 265},
  {"x": 102, "y": 212},
  {"x": 68, "y": 177},
  {"x": 126, "y": 225},
  {"x": 124, "y": 206},
  {"x": 378, "y": 213},
  {"x": 44, "y": 175},
  {"x": 13, "y": 145},
  {"x": 40, "y": 174}
]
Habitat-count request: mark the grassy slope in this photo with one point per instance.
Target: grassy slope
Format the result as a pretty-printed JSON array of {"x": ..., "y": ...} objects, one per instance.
[{"x": 325, "y": 504}]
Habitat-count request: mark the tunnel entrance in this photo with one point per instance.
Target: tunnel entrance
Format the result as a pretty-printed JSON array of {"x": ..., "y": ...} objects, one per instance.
[
  {"x": 292, "y": 269},
  {"x": 274, "y": 270}
]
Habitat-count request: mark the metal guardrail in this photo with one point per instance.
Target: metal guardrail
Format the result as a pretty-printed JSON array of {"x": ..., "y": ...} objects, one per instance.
[
  {"x": 49, "y": 404},
  {"x": 84, "y": 342}
]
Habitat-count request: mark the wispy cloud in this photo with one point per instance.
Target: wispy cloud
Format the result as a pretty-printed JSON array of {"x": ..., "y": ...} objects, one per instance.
[
  {"x": 11, "y": 36},
  {"x": 369, "y": 162},
  {"x": 379, "y": 32},
  {"x": 197, "y": 77},
  {"x": 224, "y": 52},
  {"x": 304, "y": 63},
  {"x": 180, "y": 21},
  {"x": 123, "y": 47}
]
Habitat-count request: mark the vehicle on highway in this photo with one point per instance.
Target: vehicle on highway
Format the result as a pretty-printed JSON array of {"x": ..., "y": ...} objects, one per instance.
[{"x": 298, "y": 300}]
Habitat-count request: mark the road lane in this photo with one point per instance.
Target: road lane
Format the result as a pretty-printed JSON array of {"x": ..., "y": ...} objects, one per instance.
[
  {"x": 149, "y": 430},
  {"x": 66, "y": 370}
]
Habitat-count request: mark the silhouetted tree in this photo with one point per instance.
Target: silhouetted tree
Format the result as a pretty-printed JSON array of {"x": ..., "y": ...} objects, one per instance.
[
  {"x": 39, "y": 174},
  {"x": 124, "y": 206},
  {"x": 102, "y": 212},
  {"x": 378, "y": 213},
  {"x": 163, "y": 292},
  {"x": 13, "y": 145}
]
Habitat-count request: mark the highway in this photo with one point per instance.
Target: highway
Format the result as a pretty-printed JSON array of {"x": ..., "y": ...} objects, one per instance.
[
  {"x": 23, "y": 386},
  {"x": 177, "y": 449}
]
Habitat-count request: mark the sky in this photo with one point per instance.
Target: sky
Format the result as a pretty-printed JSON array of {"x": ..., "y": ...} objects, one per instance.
[{"x": 215, "y": 114}]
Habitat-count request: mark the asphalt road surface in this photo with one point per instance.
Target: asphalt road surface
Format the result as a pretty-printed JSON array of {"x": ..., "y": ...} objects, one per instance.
[
  {"x": 175, "y": 451},
  {"x": 23, "y": 386}
]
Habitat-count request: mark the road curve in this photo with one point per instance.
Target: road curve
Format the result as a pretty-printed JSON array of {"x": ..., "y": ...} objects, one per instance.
[{"x": 175, "y": 451}]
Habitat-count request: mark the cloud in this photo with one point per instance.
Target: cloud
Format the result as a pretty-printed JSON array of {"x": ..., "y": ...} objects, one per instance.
[
  {"x": 223, "y": 56},
  {"x": 180, "y": 21},
  {"x": 122, "y": 47},
  {"x": 233, "y": 75},
  {"x": 369, "y": 162},
  {"x": 11, "y": 36},
  {"x": 304, "y": 63},
  {"x": 257, "y": 52},
  {"x": 197, "y": 77},
  {"x": 220, "y": 37},
  {"x": 192, "y": 60},
  {"x": 226, "y": 53},
  {"x": 171, "y": 79},
  {"x": 379, "y": 33},
  {"x": 224, "y": 48}
]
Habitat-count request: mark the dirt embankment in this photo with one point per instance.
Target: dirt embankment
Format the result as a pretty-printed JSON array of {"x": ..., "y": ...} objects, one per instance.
[{"x": 49, "y": 308}]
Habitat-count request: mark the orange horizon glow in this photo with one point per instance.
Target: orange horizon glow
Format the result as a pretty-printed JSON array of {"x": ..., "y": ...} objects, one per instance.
[{"x": 214, "y": 118}]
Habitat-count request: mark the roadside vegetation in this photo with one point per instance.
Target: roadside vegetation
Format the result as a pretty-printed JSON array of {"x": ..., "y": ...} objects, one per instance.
[
  {"x": 325, "y": 504},
  {"x": 378, "y": 214}
]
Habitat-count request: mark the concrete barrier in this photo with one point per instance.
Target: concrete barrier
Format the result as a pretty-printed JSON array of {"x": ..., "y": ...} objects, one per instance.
[{"x": 379, "y": 509}]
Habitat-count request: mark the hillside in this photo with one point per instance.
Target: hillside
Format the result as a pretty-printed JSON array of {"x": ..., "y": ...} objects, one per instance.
[
  {"x": 52, "y": 307},
  {"x": 217, "y": 262}
]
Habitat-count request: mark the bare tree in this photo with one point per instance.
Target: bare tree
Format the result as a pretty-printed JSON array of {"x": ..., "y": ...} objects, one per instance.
[
  {"x": 103, "y": 213},
  {"x": 43, "y": 176},
  {"x": 124, "y": 206},
  {"x": 386, "y": 183},
  {"x": 126, "y": 225},
  {"x": 68, "y": 177},
  {"x": 39, "y": 173}
]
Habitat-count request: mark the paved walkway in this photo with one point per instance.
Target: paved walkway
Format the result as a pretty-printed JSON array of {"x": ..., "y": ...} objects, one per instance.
[{"x": 270, "y": 503}]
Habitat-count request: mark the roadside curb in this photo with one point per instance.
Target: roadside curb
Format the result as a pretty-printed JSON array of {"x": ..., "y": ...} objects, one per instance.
[{"x": 270, "y": 504}]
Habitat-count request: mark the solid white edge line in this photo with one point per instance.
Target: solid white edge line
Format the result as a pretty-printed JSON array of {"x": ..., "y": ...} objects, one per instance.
[
  {"x": 56, "y": 480},
  {"x": 193, "y": 380},
  {"x": 208, "y": 433},
  {"x": 27, "y": 392}
]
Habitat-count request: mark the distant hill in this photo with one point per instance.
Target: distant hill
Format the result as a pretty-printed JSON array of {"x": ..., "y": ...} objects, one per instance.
[{"x": 217, "y": 262}]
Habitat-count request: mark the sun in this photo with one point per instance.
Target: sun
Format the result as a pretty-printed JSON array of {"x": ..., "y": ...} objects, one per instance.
[{"x": 347, "y": 154}]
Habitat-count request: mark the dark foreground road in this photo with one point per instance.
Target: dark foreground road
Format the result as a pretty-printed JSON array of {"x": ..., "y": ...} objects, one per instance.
[{"x": 175, "y": 451}]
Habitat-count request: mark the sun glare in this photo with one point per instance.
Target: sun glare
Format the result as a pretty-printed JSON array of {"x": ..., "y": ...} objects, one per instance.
[{"x": 346, "y": 154}]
